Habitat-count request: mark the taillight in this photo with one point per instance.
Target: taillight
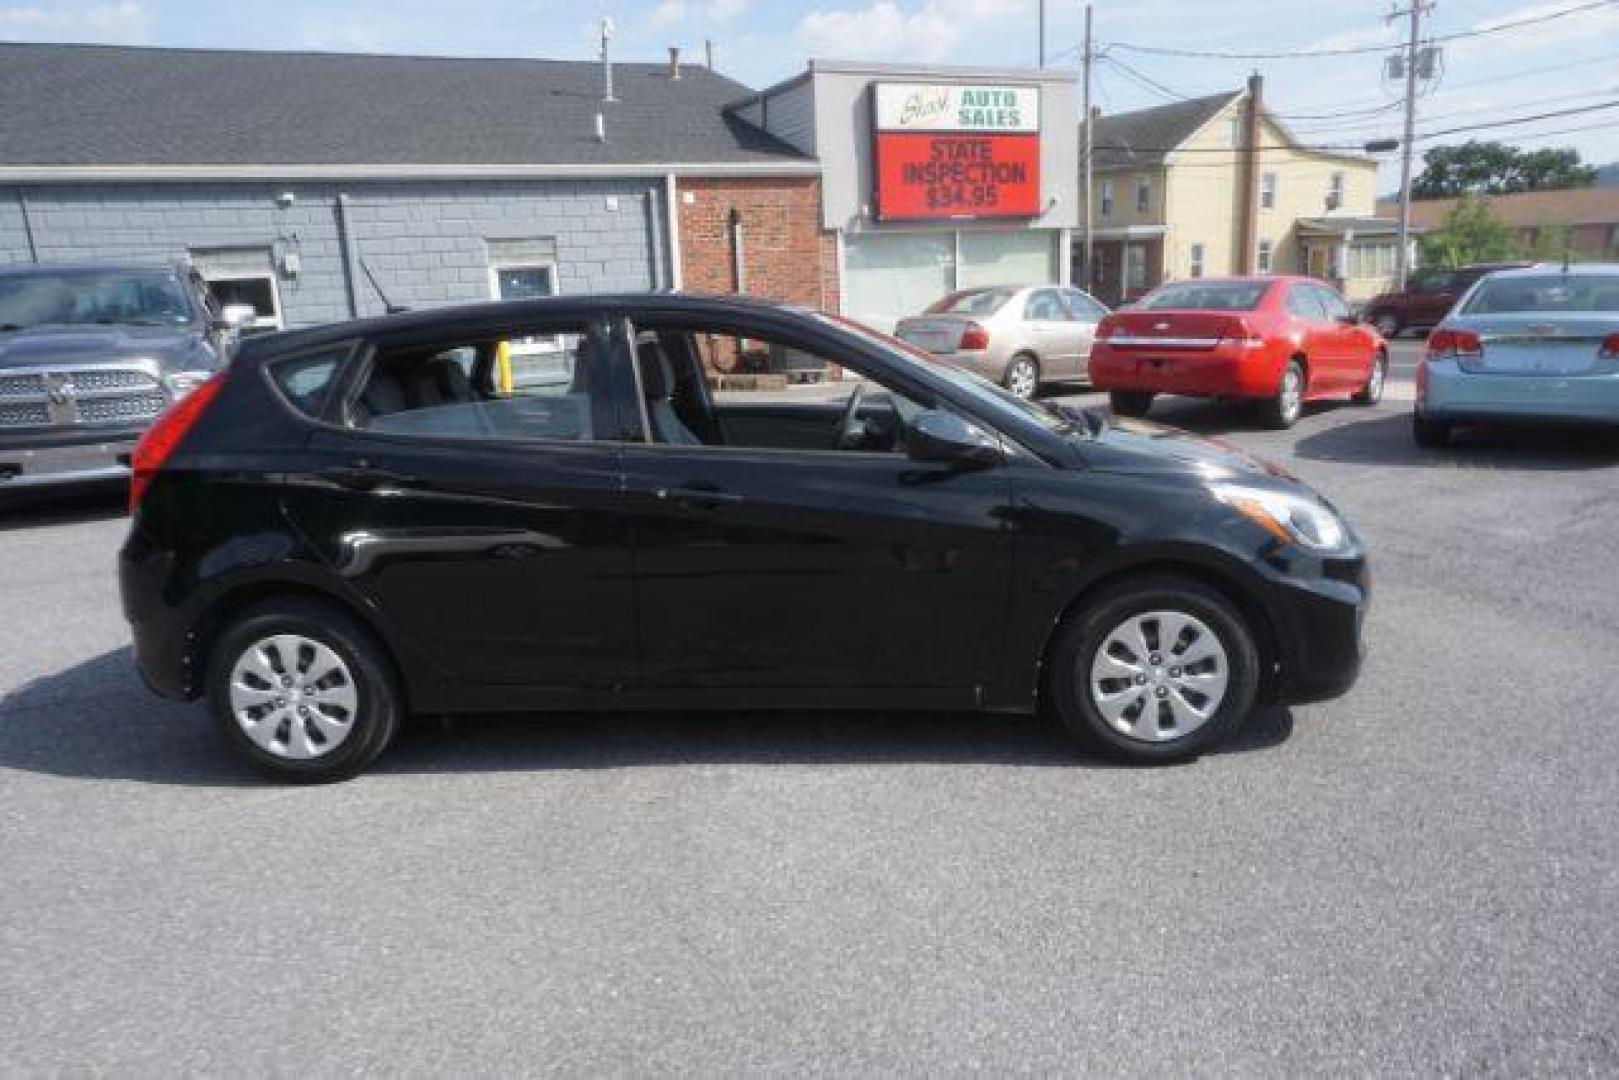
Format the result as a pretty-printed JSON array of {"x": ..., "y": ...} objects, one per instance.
[
  {"x": 1244, "y": 335},
  {"x": 1610, "y": 348},
  {"x": 975, "y": 338},
  {"x": 1458, "y": 344},
  {"x": 158, "y": 444}
]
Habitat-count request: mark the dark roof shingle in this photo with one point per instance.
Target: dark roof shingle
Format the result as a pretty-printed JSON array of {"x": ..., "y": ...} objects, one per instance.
[
  {"x": 93, "y": 105},
  {"x": 1145, "y": 136}
]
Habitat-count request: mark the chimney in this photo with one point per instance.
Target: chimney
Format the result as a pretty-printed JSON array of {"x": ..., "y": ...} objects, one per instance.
[
  {"x": 674, "y": 62},
  {"x": 601, "y": 128},
  {"x": 1096, "y": 112},
  {"x": 1248, "y": 173},
  {"x": 708, "y": 53}
]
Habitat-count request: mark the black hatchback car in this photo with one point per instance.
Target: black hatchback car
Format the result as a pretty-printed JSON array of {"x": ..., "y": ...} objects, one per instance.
[{"x": 547, "y": 505}]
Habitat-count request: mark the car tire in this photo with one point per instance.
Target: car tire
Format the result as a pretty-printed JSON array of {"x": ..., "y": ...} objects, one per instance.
[
  {"x": 1284, "y": 410},
  {"x": 1097, "y": 695},
  {"x": 316, "y": 674},
  {"x": 1388, "y": 324},
  {"x": 1130, "y": 402},
  {"x": 1430, "y": 434},
  {"x": 1372, "y": 392},
  {"x": 1022, "y": 376}
]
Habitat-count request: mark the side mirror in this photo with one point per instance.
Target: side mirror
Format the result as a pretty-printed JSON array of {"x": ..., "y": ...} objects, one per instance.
[
  {"x": 947, "y": 439},
  {"x": 236, "y": 316}
]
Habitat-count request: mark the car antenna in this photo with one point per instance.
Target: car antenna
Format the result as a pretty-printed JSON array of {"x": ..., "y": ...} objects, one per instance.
[{"x": 387, "y": 305}]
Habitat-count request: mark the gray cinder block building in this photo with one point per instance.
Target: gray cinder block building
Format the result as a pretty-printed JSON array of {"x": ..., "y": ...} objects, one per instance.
[{"x": 314, "y": 185}]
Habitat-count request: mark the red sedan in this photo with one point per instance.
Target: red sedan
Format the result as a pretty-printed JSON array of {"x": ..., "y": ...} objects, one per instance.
[{"x": 1280, "y": 340}]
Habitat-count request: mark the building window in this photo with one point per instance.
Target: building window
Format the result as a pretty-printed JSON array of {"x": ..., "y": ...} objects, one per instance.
[
  {"x": 522, "y": 269},
  {"x": 242, "y": 276},
  {"x": 1335, "y": 193},
  {"x": 1267, "y": 191},
  {"x": 1135, "y": 268},
  {"x": 1107, "y": 198},
  {"x": 1197, "y": 260},
  {"x": 1263, "y": 262},
  {"x": 1143, "y": 195},
  {"x": 1371, "y": 260},
  {"x": 889, "y": 275}
]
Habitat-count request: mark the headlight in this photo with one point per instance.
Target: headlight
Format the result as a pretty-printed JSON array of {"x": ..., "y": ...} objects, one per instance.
[
  {"x": 1297, "y": 519},
  {"x": 181, "y": 383}
]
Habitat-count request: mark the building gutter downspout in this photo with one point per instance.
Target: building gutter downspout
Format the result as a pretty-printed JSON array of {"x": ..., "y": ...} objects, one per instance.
[
  {"x": 351, "y": 255},
  {"x": 672, "y": 198},
  {"x": 27, "y": 223}
]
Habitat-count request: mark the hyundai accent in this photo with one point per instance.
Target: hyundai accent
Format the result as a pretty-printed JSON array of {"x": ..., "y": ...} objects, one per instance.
[{"x": 365, "y": 521}]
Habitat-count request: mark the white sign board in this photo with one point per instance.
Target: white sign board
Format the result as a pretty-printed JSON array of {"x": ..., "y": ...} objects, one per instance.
[{"x": 957, "y": 107}]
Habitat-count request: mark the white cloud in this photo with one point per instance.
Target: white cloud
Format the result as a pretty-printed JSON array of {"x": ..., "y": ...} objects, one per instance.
[
  {"x": 926, "y": 31},
  {"x": 667, "y": 12},
  {"x": 724, "y": 10},
  {"x": 123, "y": 21}
]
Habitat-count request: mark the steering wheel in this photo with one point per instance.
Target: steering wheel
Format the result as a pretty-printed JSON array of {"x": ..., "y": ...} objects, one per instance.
[{"x": 846, "y": 423}]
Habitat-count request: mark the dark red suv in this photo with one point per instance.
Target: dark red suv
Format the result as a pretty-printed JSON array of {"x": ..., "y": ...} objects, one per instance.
[{"x": 1428, "y": 297}]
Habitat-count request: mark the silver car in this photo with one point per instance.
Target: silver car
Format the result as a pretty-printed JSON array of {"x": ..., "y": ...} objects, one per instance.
[
  {"x": 1537, "y": 344},
  {"x": 1017, "y": 335}
]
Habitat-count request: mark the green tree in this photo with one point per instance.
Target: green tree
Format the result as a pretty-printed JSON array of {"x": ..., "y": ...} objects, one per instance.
[
  {"x": 1551, "y": 241},
  {"x": 1468, "y": 233},
  {"x": 1493, "y": 168}
]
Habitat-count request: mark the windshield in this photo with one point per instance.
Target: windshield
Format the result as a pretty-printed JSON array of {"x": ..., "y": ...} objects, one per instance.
[
  {"x": 1000, "y": 402},
  {"x": 1207, "y": 296},
  {"x": 972, "y": 302},
  {"x": 93, "y": 297},
  {"x": 1550, "y": 293}
]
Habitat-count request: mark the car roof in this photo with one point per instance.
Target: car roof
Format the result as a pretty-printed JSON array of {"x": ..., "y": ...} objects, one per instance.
[
  {"x": 1541, "y": 269},
  {"x": 579, "y": 305}
]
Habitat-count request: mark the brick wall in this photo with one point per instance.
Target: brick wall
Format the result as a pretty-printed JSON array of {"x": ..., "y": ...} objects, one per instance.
[
  {"x": 426, "y": 242},
  {"x": 786, "y": 254}
]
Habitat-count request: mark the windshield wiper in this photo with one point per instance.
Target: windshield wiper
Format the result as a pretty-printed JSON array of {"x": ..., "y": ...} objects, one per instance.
[{"x": 1088, "y": 421}]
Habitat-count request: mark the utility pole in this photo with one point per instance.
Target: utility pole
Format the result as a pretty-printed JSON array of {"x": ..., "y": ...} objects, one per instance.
[
  {"x": 1042, "y": 33},
  {"x": 1402, "y": 254},
  {"x": 1089, "y": 122}
]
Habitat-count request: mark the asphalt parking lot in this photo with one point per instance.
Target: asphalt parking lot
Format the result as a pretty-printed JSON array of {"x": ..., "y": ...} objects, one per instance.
[{"x": 1420, "y": 877}]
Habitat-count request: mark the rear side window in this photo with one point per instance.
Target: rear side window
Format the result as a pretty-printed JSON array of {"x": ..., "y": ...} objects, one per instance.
[
  {"x": 549, "y": 382},
  {"x": 306, "y": 381}
]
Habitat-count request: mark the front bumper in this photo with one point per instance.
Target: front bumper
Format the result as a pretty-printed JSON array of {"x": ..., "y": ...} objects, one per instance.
[
  {"x": 1445, "y": 391},
  {"x": 52, "y": 458},
  {"x": 1318, "y": 611}
]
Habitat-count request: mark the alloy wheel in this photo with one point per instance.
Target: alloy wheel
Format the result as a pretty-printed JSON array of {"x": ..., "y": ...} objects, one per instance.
[
  {"x": 1022, "y": 378},
  {"x": 1292, "y": 394},
  {"x": 1159, "y": 676},
  {"x": 293, "y": 696}
]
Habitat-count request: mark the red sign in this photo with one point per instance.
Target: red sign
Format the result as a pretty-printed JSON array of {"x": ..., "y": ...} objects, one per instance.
[{"x": 922, "y": 175}]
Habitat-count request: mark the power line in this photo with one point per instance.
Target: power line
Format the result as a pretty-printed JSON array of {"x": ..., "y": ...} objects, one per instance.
[
  {"x": 1513, "y": 121},
  {"x": 1373, "y": 125},
  {"x": 1354, "y": 50},
  {"x": 1147, "y": 81}
]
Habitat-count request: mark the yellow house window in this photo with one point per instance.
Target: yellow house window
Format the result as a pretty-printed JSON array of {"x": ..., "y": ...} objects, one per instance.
[
  {"x": 1267, "y": 191},
  {"x": 1107, "y": 198}
]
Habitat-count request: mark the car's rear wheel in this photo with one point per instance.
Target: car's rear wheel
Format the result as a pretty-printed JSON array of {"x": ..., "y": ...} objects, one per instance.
[
  {"x": 1284, "y": 410},
  {"x": 1430, "y": 434},
  {"x": 1388, "y": 324},
  {"x": 1157, "y": 668},
  {"x": 1022, "y": 376},
  {"x": 303, "y": 691},
  {"x": 1130, "y": 402},
  {"x": 1372, "y": 392}
]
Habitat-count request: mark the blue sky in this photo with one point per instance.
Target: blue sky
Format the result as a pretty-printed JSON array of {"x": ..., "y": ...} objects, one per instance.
[{"x": 1566, "y": 63}]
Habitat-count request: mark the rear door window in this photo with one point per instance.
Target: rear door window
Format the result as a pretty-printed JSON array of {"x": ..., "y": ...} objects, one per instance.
[
  {"x": 306, "y": 381},
  {"x": 492, "y": 388},
  {"x": 1303, "y": 302}
]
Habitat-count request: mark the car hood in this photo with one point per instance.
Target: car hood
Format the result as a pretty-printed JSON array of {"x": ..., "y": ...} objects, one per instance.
[
  {"x": 54, "y": 345},
  {"x": 1140, "y": 446}
]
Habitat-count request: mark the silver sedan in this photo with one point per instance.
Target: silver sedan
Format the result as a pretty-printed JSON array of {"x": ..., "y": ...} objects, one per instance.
[{"x": 1016, "y": 335}]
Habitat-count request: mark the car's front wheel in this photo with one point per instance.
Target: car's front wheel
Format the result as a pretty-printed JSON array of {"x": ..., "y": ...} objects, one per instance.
[
  {"x": 303, "y": 691},
  {"x": 1157, "y": 668}
]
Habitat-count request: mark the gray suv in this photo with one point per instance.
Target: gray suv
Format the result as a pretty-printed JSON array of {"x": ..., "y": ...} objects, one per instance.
[{"x": 89, "y": 355}]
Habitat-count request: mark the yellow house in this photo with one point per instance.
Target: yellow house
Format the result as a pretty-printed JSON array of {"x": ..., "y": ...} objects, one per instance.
[{"x": 1174, "y": 196}]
